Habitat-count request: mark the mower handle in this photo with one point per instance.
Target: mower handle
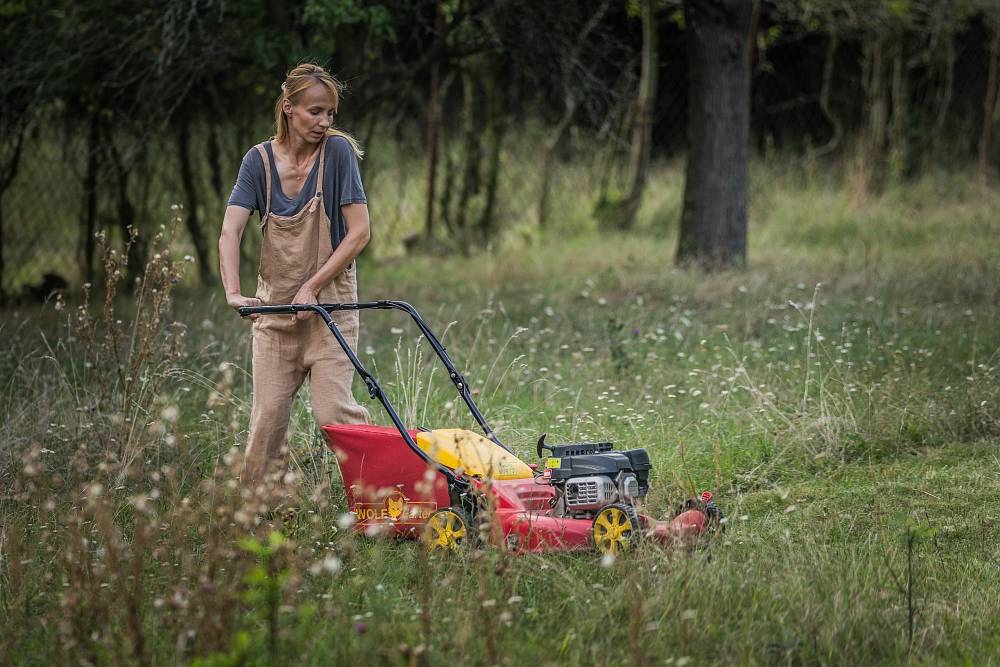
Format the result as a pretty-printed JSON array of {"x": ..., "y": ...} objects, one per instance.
[{"x": 374, "y": 389}]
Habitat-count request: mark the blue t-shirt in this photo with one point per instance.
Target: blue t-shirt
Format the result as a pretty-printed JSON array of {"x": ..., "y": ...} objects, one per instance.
[{"x": 341, "y": 185}]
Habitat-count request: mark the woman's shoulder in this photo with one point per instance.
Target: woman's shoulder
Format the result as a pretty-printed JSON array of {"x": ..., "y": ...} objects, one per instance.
[
  {"x": 252, "y": 158},
  {"x": 254, "y": 154},
  {"x": 337, "y": 147}
]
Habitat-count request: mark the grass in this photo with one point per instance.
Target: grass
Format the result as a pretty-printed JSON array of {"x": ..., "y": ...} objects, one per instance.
[{"x": 839, "y": 396}]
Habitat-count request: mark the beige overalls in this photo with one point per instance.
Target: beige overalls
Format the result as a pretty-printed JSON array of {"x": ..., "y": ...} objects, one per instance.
[{"x": 285, "y": 349}]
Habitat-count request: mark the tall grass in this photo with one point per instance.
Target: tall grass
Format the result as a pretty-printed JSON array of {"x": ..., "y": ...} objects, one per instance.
[{"x": 839, "y": 396}]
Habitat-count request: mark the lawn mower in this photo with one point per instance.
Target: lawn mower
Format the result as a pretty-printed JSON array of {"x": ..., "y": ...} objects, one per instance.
[{"x": 452, "y": 487}]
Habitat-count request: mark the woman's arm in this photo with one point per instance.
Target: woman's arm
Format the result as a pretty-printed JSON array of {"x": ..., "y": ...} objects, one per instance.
[
  {"x": 358, "y": 233},
  {"x": 233, "y": 224}
]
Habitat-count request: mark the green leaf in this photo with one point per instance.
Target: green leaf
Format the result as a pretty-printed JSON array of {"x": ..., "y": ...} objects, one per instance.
[
  {"x": 275, "y": 540},
  {"x": 250, "y": 545}
]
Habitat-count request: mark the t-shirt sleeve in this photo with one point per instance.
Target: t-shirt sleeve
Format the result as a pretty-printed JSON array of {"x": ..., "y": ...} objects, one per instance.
[
  {"x": 347, "y": 175},
  {"x": 246, "y": 188}
]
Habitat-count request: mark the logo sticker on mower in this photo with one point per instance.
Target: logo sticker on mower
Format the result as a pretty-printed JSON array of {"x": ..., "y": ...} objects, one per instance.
[{"x": 396, "y": 508}]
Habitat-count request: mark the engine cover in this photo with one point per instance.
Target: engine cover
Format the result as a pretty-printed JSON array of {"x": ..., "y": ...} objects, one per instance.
[
  {"x": 571, "y": 467},
  {"x": 589, "y": 493}
]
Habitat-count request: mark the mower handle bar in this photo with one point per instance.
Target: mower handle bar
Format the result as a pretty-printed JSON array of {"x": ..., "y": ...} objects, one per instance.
[{"x": 374, "y": 389}]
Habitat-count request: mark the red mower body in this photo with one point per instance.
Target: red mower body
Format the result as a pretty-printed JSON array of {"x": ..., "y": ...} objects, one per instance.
[{"x": 392, "y": 490}]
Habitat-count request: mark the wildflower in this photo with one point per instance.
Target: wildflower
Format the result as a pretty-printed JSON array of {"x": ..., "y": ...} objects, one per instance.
[
  {"x": 346, "y": 520},
  {"x": 607, "y": 560},
  {"x": 329, "y": 565}
]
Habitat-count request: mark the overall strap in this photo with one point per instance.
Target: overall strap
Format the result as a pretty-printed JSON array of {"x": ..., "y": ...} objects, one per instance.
[
  {"x": 267, "y": 183},
  {"x": 319, "y": 173}
]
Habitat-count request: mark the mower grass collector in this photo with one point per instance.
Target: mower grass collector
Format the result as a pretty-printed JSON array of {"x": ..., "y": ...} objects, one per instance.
[{"x": 453, "y": 487}]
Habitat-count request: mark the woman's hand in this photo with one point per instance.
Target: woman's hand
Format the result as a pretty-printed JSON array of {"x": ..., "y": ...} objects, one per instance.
[
  {"x": 306, "y": 294},
  {"x": 237, "y": 301}
]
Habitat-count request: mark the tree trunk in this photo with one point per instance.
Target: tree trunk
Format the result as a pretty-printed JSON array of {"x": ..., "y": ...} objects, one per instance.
[
  {"x": 88, "y": 243},
  {"x": 9, "y": 174},
  {"x": 214, "y": 159},
  {"x": 135, "y": 245},
  {"x": 713, "y": 230},
  {"x": 836, "y": 125},
  {"x": 873, "y": 138},
  {"x": 191, "y": 220},
  {"x": 444, "y": 205},
  {"x": 447, "y": 186},
  {"x": 472, "y": 155},
  {"x": 642, "y": 129},
  {"x": 3, "y": 290},
  {"x": 433, "y": 119},
  {"x": 989, "y": 103},
  {"x": 899, "y": 144},
  {"x": 496, "y": 129},
  {"x": 947, "y": 91}
]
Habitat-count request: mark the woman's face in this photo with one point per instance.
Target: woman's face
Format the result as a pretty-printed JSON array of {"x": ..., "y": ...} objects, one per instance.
[{"x": 311, "y": 114}]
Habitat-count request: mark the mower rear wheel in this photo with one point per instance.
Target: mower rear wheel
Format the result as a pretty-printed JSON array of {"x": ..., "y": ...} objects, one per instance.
[
  {"x": 447, "y": 529},
  {"x": 615, "y": 529}
]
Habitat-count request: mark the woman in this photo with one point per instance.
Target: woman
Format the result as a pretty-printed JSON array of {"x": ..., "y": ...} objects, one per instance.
[{"x": 306, "y": 186}]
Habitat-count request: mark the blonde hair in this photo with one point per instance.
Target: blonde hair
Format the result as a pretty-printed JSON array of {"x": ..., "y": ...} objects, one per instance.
[{"x": 298, "y": 80}]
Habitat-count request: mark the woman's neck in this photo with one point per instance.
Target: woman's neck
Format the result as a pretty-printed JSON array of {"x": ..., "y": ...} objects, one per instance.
[{"x": 297, "y": 150}]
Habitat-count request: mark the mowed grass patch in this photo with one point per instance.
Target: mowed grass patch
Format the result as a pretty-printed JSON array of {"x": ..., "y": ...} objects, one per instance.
[{"x": 838, "y": 395}]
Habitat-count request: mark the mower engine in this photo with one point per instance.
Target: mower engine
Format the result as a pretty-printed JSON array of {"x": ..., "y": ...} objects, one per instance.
[{"x": 590, "y": 476}]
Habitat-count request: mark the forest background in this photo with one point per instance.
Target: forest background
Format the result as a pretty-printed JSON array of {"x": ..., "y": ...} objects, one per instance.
[
  {"x": 134, "y": 107},
  {"x": 789, "y": 295}
]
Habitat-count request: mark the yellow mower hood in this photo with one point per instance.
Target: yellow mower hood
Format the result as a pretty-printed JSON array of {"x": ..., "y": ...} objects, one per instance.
[{"x": 475, "y": 454}]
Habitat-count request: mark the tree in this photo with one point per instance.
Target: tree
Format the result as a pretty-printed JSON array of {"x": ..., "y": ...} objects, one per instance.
[
  {"x": 713, "y": 230},
  {"x": 990, "y": 100},
  {"x": 642, "y": 126}
]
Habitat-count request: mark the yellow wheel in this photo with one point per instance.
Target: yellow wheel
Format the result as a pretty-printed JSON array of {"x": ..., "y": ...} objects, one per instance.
[
  {"x": 447, "y": 529},
  {"x": 615, "y": 529}
]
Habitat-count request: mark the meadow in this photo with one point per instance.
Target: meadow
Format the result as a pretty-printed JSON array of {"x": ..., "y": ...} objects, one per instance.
[{"x": 839, "y": 396}]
